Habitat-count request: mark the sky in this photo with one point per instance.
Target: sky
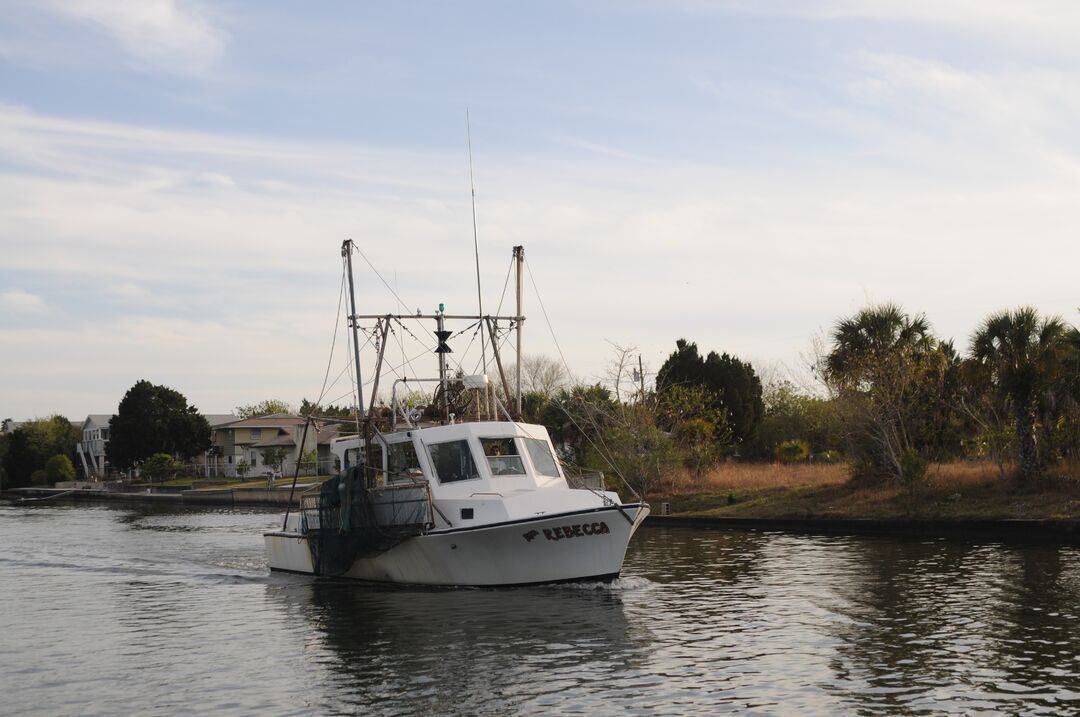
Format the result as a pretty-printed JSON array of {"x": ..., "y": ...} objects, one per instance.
[{"x": 177, "y": 177}]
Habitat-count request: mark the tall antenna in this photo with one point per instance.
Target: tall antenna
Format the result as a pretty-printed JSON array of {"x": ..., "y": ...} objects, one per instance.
[{"x": 476, "y": 245}]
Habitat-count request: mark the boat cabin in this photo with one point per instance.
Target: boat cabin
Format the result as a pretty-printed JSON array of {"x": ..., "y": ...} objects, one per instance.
[{"x": 464, "y": 459}]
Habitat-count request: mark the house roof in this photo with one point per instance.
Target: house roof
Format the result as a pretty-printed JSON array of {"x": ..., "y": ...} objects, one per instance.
[
  {"x": 101, "y": 420},
  {"x": 97, "y": 420},
  {"x": 285, "y": 424},
  {"x": 275, "y": 420}
]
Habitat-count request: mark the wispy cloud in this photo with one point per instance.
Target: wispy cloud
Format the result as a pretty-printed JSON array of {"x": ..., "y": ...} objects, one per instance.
[
  {"x": 165, "y": 35},
  {"x": 739, "y": 192},
  {"x": 23, "y": 303},
  {"x": 1022, "y": 22}
]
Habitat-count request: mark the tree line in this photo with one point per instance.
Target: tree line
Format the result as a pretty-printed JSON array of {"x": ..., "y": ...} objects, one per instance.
[
  {"x": 890, "y": 398},
  {"x": 155, "y": 429}
]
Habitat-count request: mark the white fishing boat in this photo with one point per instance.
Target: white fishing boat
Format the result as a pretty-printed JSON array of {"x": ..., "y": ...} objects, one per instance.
[{"x": 448, "y": 495}]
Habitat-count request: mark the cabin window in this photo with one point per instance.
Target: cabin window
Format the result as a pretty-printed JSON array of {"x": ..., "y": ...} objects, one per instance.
[
  {"x": 256, "y": 433},
  {"x": 402, "y": 464},
  {"x": 502, "y": 456},
  {"x": 542, "y": 460},
  {"x": 453, "y": 461}
]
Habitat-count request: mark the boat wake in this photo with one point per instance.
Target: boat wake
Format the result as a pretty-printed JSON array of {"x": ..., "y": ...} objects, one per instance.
[{"x": 625, "y": 583}]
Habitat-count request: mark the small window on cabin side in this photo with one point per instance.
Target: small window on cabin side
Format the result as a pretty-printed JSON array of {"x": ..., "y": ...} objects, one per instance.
[
  {"x": 453, "y": 461},
  {"x": 256, "y": 433},
  {"x": 402, "y": 463},
  {"x": 540, "y": 454},
  {"x": 502, "y": 456}
]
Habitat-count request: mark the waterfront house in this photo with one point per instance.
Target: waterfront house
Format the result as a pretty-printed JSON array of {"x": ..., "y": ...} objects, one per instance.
[
  {"x": 240, "y": 447},
  {"x": 91, "y": 449},
  {"x": 95, "y": 436}
]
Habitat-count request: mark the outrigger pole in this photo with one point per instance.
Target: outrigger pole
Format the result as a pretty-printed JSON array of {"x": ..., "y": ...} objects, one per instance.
[
  {"x": 519, "y": 257},
  {"x": 346, "y": 251},
  {"x": 363, "y": 417},
  {"x": 441, "y": 333}
]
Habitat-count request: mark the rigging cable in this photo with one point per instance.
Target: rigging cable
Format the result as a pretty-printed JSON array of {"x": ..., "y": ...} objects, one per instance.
[
  {"x": 605, "y": 453},
  {"x": 389, "y": 288},
  {"x": 322, "y": 394},
  {"x": 476, "y": 244},
  {"x": 333, "y": 341}
]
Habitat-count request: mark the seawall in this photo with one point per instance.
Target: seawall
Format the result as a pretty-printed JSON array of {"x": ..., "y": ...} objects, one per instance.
[
  {"x": 1058, "y": 531},
  {"x": 277, "y": 497}
]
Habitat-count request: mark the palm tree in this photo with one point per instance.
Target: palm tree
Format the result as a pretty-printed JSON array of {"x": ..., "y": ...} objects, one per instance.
[
  {"x": 871, "y": 335},
  {"x": 1071, "y": 365},
  {"x": 884, "y": 366},
  {"x": 1023, "y": 355}
]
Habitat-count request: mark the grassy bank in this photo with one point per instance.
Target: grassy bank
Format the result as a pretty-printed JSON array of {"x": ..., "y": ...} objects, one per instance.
[{"x": 953, "y": 491}]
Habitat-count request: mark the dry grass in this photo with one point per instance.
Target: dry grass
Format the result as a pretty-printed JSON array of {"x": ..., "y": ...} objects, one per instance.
[
  {"x": 954, "y": 491},
  {"x": 742, "y": 476},
  {"x": 965, "y": 473}
]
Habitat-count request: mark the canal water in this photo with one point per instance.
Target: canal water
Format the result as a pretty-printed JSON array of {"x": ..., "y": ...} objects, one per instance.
[{"x": 109, "y": 610}]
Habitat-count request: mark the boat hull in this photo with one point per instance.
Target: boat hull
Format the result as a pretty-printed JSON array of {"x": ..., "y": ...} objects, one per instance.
[{"x": 583, "y": 545}]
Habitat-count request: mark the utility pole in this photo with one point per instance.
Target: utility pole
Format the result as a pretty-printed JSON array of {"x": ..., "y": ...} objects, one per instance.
[{"x": 641, "y": 377}]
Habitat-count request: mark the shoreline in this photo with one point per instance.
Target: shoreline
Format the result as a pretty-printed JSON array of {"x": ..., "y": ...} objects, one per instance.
[
  {"x": 244, "y": 497},
  {"x": 1062, "y": 531}
]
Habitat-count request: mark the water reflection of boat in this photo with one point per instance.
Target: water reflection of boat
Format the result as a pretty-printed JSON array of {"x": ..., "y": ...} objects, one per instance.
[
  {"x": 398, "y": 651},
  {"x": 448, "y": 495}
]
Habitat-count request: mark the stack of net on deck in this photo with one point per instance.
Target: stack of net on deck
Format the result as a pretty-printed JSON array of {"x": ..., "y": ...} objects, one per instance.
[{"x": 347, "y": 520}]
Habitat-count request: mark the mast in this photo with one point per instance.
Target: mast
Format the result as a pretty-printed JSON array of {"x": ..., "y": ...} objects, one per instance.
[
  {"x": 346, "y": 251},
  {"x": 519, "y": 257},
  {"x": 476, "y": 244},
  {"x": 442, "y": 349},
  {"x": 362, "y": 417}
]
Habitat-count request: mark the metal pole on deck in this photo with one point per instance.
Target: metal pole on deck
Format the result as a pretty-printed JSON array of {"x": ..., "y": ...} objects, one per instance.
[
  {"x": 346, "y": 251},
  {"x": 442, "y": 334},
  {"x": 519, "y": 256}
]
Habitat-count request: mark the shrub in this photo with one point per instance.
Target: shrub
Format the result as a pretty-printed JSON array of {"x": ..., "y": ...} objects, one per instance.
[
  {"x": 792, "y": 451},
  {"x": 59, "y": 468},
  {"x": 913, "y": 467},
  {"x": 158, "y": 467}
]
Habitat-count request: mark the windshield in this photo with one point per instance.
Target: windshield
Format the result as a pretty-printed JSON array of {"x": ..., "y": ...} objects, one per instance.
[
  {"x": 453, "y": 461},
  {"x": 502, "y": 456},
  {"x": 541, "y": 457}
]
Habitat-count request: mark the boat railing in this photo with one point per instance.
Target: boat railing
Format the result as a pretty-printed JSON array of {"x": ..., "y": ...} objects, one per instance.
[
  {"x": 309, "y": 511},
  {"x": 403, "y": 506},
  {"x": 585, "y": 480}
]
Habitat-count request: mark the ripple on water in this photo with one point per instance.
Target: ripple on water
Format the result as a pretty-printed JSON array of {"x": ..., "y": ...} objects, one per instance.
[{"x": 117, "y": 610}]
